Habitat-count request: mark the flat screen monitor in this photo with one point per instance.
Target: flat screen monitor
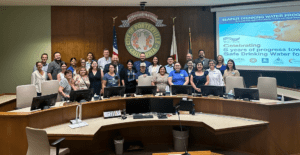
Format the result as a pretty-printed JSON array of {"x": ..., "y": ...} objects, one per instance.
[
  {"x": 212, "y": 90},
  {"x": 143, "y": 90},
  {"x": 135, "y": 106},
  {"x": 114, "y": 91},
  {"x": 181, "y": 89},
  {"x": 78, "y": 95},
  {"x": 246, "y": 93},
  {"x": 161, "y": 105},
  {"x": 43, "y": 102},
  {"x": 186, "y": 106}
]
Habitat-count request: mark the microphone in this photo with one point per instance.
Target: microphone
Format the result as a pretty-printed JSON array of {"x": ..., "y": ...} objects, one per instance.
[{"x": 186, "y": 152}]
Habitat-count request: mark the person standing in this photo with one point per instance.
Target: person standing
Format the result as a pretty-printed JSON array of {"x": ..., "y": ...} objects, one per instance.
[
  {"x": 115, "y": 61},
  {"x": 61, "y": 75},
  {"x": 81, "y": 80},
  {"x": 111, "y": 78},
  {"x": 90, "y": 58},
  {"x": 189, "y": 57},
  {"x": 95, "y": 77},
  {"x": 104, "y": 60},
  {"x": 154, "y": 67},
  {"x": 142, "y": 72},
  {"x": 160, "y": 79},
  {"x": 230, "y": 70},
  {"x": 220, "y": 64},
  {"x": 54, "y": 66},
  {"x": 215, "y": 75},
  {"x": 66, "y": 85},
  {"x": 38, "y": 77},
  {"x": 73, "y": 66},
  {"x": 128, "y": 78},
  {"x": 178, "y": 76},
  {"x": 142, "y": 60},
  {"x": 170, "y": 65},
  {"x": 44, "y": 58},
  {"x": 199, "y": 77},
  {"x": 202, "y": 59}
]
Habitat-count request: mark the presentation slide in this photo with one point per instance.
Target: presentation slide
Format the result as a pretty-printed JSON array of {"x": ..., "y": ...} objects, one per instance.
[{"x": 261, "y": 40}]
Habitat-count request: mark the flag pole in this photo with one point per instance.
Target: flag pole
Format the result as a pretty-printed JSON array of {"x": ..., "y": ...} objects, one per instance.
[{"x": 114, "y": 19}]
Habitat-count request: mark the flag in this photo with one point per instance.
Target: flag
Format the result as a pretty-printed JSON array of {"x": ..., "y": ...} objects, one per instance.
[
  {"x": 174, "y": 46},
  {"x": 190, "y": 42},
  {"x": 115, "y": 45}
]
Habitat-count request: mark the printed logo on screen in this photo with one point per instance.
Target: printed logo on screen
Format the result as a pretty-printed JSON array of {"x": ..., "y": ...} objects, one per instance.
[
  {"x": 293, "y": 61},
  {"x": 236, "y": 60},
  {"x": 265, "y": 60},
  {"x": 278, "y": 61},
  {"x": 231, "y": 40},
  {"x": 253, "y": 60}
]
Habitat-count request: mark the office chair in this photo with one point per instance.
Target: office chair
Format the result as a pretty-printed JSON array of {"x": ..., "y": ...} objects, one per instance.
[
  {"x": 25, "y": 94},
  {"x": 144, "y": 81},
  {"x": 267, "y": 87},
  {"x": 38, "y": 143},
  {"x": 234, "y": 82},
  {"x": 51, "y": 87}
]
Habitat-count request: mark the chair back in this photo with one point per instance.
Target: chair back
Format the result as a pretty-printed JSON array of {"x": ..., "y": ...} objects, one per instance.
[
  {"x": 144, "y": 81},
  {"x": 37, "y": 142},
  {"x": 50, "y": 87},
  {"x": 267, "y": 87},
  {"x": 234, "y": 82},
  {"x": 25, "y": 94}
]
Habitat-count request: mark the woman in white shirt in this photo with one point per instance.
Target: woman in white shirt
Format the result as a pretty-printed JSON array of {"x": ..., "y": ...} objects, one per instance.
[
  {"x": 37, "y": 77},
  {"x": 61, "y": 75},
  {"x": 154, "y": 67},
  {"x": 215, "y": 75}
]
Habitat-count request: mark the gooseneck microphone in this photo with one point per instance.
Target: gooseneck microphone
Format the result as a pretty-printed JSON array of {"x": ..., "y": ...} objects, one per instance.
[{"x": 186, "y": 152}]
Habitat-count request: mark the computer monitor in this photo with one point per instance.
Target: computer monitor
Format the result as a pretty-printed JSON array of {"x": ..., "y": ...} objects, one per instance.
[
  {"x": 212, "y": 90},
  {"x": 246, "y": 93},
  {"x": 78, "y": 95},
  {"x": 135, "y": 106},
  {"x": 181, "y": 89},
  {"x": 114, "y": 91},
  {"x": 43, "y": 102},
  {"x": 143, "y": 90},
  {"x": 186, "y": 106},
  {"x": 161, "y": 105}
]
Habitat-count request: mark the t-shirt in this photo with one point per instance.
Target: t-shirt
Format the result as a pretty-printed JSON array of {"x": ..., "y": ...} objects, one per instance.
[
  {"x": 67, "y": 88},
  {"x": 178, "y": 78},
  {"x": 54, "y": 69},
  {"x": 111, "y": 80},
  {"x": 139, "y": 73},
  {"x": 199, "y": 80}
]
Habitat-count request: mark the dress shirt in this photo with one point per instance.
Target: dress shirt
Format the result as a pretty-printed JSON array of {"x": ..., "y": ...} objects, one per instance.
[
  {"x": 102, "y": 62},
  {"x": 152, "y": 69},
  {"x": 204, "y": 62},
  {"x": 169, "y": 68},
  {"x": 37, "y": 79},
  {"x": 45, "y": 67},
  {"x": 138, "y": 63},
  {"x": 215, "y": 77}
]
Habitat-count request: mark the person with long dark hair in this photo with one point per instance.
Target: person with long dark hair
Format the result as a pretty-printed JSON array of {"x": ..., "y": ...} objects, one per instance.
[
  {"x": 199, "y": 78},
  {"x": 111, "y": 78},
  {"x": 160, "y": 79},
  {"x": 73, "y": 66},
  {"x": 220, "y": 64},
  {"x": 95, "y": 77},
  {"x": 38, "y": 77},
  {"x": 230, "y": 70},
  {"x": 154, "y": 67},
  {"x": 128, "y": 78},
  {"x": 61, "y": 75}
]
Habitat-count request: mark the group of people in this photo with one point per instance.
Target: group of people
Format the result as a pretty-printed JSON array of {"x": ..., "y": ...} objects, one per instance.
[{"x": 108, "y": 72}]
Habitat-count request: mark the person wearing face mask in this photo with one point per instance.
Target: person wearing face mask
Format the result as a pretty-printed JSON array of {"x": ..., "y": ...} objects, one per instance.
[
  {"x": 142, "y": 59},
  {"x": 44, "y": 58},
  {"x": 115, "y": 61},
  {"x": 128, "y": 78},
  {"x": 215, "y": 75},
  {"x": 202, "y": 59},
  {"x": 38, "y": 77},
  {"x": 199, "y": 78},
  {"x": 178, "y": 76},
  {"x": 230, "y": 70},
  {"x": 189, "y": 57},
  {"x": 54, "y": 66},
  {"x": 220, "y": 64},
  {"x": 104, "y": 60}
]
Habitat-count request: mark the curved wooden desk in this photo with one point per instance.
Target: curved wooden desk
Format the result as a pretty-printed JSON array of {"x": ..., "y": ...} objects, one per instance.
[{"x": 282, "y": 130}]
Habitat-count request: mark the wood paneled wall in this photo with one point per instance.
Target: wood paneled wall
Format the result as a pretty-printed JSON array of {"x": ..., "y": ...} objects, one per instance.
[{"x": 75, "y": 31}]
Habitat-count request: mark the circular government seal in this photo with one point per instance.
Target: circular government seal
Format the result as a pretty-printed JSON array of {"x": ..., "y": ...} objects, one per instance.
[{"x": 142, "y": 37}]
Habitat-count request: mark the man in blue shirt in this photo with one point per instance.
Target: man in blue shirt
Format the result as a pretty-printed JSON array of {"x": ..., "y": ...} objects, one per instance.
[
  {"x": 137, "y": 64},
  {"x": 170, "y": 65},
  {"x": 178, "y": 76},
  {"x": 142, "y": 71}
]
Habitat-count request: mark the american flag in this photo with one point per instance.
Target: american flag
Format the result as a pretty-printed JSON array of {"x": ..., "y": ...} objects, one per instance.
[{"x": 115, "y": 45}]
